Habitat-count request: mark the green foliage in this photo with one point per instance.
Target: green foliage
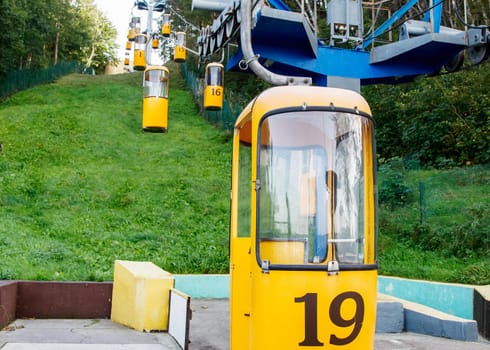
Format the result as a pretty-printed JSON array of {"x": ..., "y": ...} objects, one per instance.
[
  {"x": 453, "y": 242},
  {"x": 392, "y": 190},
  {"x": 42, "y": 33},
  {"x": 468, "y": 239},
  {"x": 439, "y": 121}
]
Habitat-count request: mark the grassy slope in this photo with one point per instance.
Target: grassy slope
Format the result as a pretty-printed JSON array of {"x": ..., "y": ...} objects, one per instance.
[{"x": 81, "y": 185}]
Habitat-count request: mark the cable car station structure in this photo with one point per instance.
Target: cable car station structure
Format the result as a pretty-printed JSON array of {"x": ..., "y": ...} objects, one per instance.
[{"x": 286, "y": 41}]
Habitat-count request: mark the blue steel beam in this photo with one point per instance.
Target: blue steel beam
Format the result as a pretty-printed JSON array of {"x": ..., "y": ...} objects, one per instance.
[
  {"x": 387, "y": 24},
  {"x": 279, "y": 4},
  {"x": 437, "y": 11}
]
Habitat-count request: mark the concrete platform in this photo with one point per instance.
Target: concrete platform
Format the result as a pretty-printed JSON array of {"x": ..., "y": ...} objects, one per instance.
[{"x": 209, "y": 331}]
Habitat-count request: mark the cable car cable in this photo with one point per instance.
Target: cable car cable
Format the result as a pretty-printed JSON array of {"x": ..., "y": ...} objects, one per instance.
[{"x": 458, "y": 16}]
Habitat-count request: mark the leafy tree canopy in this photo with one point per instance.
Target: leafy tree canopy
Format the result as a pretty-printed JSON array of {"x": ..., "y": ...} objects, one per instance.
[{"x": 37, "y": 34}]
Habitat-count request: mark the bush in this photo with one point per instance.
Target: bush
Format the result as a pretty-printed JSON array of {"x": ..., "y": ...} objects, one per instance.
[
  {"x": 468, "y": 240},
  {"x": 392, "y": 191}
]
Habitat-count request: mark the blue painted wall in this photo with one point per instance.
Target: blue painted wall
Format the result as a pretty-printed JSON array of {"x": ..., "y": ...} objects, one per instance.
[
  {"x": 453, "y": 299},
  {"x": 204, "y": 286}
]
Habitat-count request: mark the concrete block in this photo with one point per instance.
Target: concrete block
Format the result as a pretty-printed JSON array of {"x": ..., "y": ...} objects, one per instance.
[
  {"x": 481, "y": 310},
  {"x": 140, "y": 297},
  {"x": 389, "y": 315},
  {"x": 425, "y": 320},
  {"x": 8, "y": 302}
]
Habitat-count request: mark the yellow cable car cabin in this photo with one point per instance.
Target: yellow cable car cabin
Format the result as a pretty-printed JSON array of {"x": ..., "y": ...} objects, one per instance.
[
  {"x": 126, "y": 61},
  {"x": 303, "y": 260},
  {"x": 129, "y": 45},
  {"x": 213, "y": 89},
  {"x": 166, "y": 26},
  {"x": 134, "y": 28},
  {"x": 180, "y": 50},
  {"x": 136, "y": 24},
  {"x": 131, "y": 34},
  {"x": 155, "y": 42},
  {"x": 155, "y": 99},
  {"x": 139, "y": 62}
]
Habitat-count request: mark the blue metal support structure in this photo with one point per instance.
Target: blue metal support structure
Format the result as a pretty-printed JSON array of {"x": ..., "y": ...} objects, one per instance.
[{"x": 285, "y": 43}]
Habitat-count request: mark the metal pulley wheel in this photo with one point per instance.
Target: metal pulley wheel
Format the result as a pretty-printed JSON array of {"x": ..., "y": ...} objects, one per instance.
[
  {"x": 479, "y": 53},
  {"x": 455, "y": 63}
]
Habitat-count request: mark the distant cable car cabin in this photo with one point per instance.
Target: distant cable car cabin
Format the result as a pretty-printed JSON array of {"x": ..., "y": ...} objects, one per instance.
[
  {"x": 128, "y": 45},
  {"x": 155, "y": 99},
  {"x": 131, "y": 34},
  {"x": 155, "y": 42},
  {"x": 213, "y": 89},
  {"x": 139, "y": 51},
  {"x": 180, "y": 50},
  {"x": 166, "y": 27},
  {"x": 134, "y": 28},
  {"x": 126, "y": 61},
  {"x": 136, "y": 24}
]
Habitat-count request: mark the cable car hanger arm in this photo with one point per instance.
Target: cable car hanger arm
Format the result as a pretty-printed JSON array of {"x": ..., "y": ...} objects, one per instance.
[{"x": 252, "y": 60}]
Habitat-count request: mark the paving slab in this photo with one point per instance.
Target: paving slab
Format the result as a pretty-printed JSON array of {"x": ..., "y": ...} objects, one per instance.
[
  {"x": 209, "y": 330},
  {"x": 65, "y": 346},
  {"x": 24, "y": 334}
]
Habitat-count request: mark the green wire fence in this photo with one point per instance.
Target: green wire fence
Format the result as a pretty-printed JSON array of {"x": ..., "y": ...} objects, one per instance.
[
  {"x": 23, "y": 79},
  {"x": 231, "y": 106}
]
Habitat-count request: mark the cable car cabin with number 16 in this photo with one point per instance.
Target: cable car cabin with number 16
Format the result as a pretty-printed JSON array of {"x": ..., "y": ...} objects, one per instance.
[
  {"x": 213, "y": 88},
  {"x": 303, "y": 260}
]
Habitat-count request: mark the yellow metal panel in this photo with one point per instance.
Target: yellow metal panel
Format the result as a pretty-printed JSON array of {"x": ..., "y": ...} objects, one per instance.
[
  {"x": 140, "y": 295},
  {"x": 213, "y": 97},
  {"x": 180, "y": 54},
  {"x": 155, "y": 113},
  {"x": 296, "y": 96},
  {"x": 139, "y": 60},
  {"x": 369, "y": 196},
  {"x": 296, "y": 310},
  {"x": 241, "y": 297},
  {"x": 283, "y": 251},
  {"x": 166, "y": 29}
]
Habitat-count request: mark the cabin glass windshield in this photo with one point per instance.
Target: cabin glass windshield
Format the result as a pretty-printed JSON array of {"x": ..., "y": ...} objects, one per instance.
[
  {"x": 214, "y": 76},
  {"x": 311, "y": 196},
  {"x": 156, "y": 83}
]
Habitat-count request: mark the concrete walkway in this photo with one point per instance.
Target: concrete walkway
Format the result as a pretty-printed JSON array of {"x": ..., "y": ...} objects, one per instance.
[{"x": 209, "y": 331}]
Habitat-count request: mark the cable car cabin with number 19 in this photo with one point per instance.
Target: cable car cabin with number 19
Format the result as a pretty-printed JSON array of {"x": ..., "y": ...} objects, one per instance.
[{"x": 303, "y": 260}]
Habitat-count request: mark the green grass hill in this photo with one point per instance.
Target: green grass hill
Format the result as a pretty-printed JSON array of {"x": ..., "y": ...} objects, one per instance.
[{"x": 81, "y": 185}]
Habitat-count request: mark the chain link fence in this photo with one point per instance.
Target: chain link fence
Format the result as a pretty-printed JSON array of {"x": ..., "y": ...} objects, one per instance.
[
  {"x": 441, "y": 200},
  {"x": 26, "y": 78},
  {"x": 232, "y": 107},
  {"x": 451, "y": 198}
]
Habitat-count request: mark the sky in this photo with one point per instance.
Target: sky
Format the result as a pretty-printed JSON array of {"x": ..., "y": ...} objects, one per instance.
[{"x": 119, "y": 13}]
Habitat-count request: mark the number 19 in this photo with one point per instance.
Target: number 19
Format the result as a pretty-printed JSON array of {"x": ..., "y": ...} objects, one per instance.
[{"x": 311, "y": 319}]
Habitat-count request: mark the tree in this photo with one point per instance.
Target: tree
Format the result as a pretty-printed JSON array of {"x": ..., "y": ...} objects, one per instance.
[{"x": 41, "y": 33}]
